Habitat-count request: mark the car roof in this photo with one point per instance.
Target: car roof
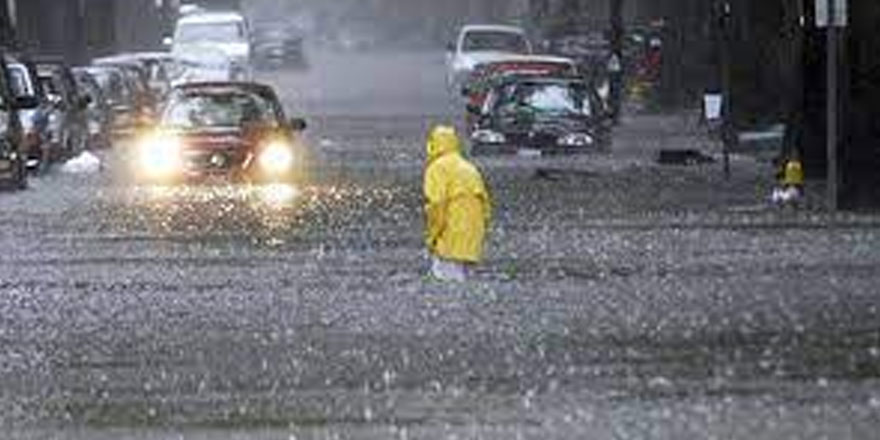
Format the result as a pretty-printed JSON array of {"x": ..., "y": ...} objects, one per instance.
[
  {"x": 211, "y": 17},
  {"x": 134, "y": 57},
  {"x": 104, "y": 67},
  {"x": 227, "y": 86},
  {"x": 493, "y": 28},
  {"x": 519, "y": 58},
  {"x": 117, "y": 60}
]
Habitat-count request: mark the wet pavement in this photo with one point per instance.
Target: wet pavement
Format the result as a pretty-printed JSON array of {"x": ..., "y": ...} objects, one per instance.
[{"x": 621, "y": 299}]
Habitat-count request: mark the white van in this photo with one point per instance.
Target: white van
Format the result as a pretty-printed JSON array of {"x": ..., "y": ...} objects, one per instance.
[
  {"x": 212, "y": 32},
  {"x": 478, "y": 44}
]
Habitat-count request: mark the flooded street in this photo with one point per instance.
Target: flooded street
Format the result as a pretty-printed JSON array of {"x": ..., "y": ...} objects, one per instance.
[{"x": 620, "y": 298}]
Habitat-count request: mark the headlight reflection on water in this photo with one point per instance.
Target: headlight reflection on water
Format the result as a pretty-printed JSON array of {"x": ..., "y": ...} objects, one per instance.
[{"x": 271, "y": 204}]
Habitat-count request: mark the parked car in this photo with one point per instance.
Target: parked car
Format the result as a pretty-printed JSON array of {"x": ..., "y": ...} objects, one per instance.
[
  {"x": 138, "y": 79},
  {"x": 478, "y": 44},
  {"x": 161, "y": 68},
  {"x": 68, "y": 118},
  {"x": 227, "y": 131},
  {"x": 12, "y": 158},
  {"x": 32, "y": 111},
  {"x": 119, "y": 94},
  {"x": 99, "y": 114},
  {"x": 541, "y": 114}
]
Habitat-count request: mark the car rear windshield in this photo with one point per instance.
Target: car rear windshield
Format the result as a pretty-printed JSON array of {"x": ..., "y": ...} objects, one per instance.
[
  {"x": 212, "y": 32},
  {"x": 496, "y": 41},
  {"x": 214, "y": 110}
]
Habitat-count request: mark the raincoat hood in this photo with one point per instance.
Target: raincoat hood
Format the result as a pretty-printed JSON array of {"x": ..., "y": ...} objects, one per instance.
[{"x": 442, "y": 141}]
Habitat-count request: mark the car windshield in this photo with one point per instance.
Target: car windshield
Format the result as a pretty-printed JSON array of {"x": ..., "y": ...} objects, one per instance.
[
  {"x": 111, "y": 85},
  {"x": 477, "y": 41},
  {"x": 217, "y": 110},
  {"x": 20, "y": 81},
  {"x": 88, "y": 86},
  {"x": 547, "y": 98},
  {"x": 49, "y": 86},
  {"x": 210, "y": 32}
]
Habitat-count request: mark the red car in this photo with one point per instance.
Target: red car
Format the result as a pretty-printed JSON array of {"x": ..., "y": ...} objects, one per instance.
[{"x": 232, "y": 131}]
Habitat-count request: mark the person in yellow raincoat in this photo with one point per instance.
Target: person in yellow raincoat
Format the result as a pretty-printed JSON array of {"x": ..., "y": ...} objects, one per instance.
[{"x": 458, "y": 208}]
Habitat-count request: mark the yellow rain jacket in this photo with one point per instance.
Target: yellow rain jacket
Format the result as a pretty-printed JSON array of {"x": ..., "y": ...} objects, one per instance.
[{"x": 458, "y": 207}]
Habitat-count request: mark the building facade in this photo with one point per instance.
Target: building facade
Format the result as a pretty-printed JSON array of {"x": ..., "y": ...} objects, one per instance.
[{"x": 80, "y": 29}]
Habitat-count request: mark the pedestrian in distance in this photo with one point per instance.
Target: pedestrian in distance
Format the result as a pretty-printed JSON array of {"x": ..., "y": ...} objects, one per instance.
[
  {"x": 790, "y": 192},
  {"x": 458, "y": 208}
]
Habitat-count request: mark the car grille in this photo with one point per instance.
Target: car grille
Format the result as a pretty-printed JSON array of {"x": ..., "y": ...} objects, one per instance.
[
  {"x": 534, "y": 140},
  {"x": 214, "y": 159}
]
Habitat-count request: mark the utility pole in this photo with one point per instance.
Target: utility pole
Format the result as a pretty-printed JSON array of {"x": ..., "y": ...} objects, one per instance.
[
  {"x": 8, "y": 23},
  {"x": 832, "y": 14},
  {"x": 616, "y": 69}
]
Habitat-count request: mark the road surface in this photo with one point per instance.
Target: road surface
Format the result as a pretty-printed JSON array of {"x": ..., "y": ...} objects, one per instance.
[{"x": 620, "y": 299}]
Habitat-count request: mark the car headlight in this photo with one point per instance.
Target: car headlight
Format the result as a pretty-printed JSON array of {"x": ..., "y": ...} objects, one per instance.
[
  {"x": 488, "y": 137},
  {"x": 160, "y": 155},
  {"x": 576, "y": 140},
  {"x": 276, "y": 158}
]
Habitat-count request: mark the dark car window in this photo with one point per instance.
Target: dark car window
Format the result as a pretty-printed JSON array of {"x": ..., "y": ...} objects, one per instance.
[
  {"x": 495, "y": 41},
  {"x": 20, "y": 81},
  {"x": 50, "y": 87},
  {"x": 113, "y": 86},
  {"x": 190, "y": 111},
  {"x": 197, "y": 32}
]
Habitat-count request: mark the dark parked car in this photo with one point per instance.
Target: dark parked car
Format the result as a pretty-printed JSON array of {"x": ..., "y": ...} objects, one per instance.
[
  {"x": 145, "y": 100},
  {"x": 231, "y": 131},
  {"x": 119, "y": 93},
  {"x": 68, "y": 118},
  {"x": 12, "y": 157},
  {"x": 542, "y": 115},
  {"x": 99, "y": 114},
  {"x": 159, "y": 69},
  {"x": 33, "y": 111}
]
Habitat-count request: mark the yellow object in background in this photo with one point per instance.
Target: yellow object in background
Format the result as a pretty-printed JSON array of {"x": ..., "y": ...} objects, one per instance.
[{"x": 794, "y": 173}]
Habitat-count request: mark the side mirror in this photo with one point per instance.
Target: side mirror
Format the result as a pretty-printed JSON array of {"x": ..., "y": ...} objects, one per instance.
[
  {"x": 167, "y": 41},
  {"x": 298, "y": 124},
  {"x": 465, "y": 91},
  {"x": 26, "y": 102},
  {"x": 450, "y": 47}
]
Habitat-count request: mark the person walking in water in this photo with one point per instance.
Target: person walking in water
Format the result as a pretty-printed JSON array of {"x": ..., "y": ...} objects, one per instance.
[{"x": 458, "y": 208}]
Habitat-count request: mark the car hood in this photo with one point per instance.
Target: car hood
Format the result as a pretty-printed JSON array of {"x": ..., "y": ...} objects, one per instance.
[
  {"x": 471, "y": 60},
  {"x": 557, "y": 125},
  {"x": 212, "y": 138}
]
